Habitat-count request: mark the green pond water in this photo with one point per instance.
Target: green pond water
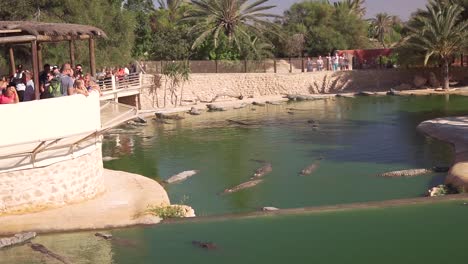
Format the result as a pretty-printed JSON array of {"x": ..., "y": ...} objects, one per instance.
[
  {"x": 429, "y": 234},
  {"x": 356, "y": 140}
]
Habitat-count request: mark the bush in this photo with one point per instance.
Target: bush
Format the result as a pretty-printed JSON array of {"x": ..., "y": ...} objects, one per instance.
[{"x": 167, "y": 211}]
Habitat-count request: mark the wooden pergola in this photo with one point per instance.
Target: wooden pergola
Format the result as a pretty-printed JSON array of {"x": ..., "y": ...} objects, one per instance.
[{"x": 36, "y": 33}]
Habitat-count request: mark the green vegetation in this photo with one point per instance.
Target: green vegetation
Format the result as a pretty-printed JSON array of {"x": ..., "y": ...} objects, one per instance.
[
  {"x": 179, "y": 30},
  {"x": 440, "y": 32},
  {"x": 166, "y": 211}
]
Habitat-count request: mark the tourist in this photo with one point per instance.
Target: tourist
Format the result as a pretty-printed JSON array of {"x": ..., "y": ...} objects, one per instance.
[
  {"x": 9, "y": 95},
  {"x": 78, "y": 71},
  {"x": 309, "y": 65},
  {"x": 66, "y": 81},
  {"x": 20, "y": 85},
  {"x": 3, "y": 84},
  {"x": 319, "y": 63},
  {"x": 80, "y": 88},
  {"x": 29, "y": 92},
  {"x": 341, "y": 65},
  {"x": 46, "y": 91},
  {"x": 336, "y": 62},
  {"x": 43, "y": 79},
  {"x": 329, "y": 62},
  {"x": 90, "y": 84}
]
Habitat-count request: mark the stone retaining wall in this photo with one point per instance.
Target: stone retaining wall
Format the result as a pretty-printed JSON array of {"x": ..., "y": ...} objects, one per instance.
[
  {"x": 52, "y": 186},
  {"x": 204, "y": 87}
]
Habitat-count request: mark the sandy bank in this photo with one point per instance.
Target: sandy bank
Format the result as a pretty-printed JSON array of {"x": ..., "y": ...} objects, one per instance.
[
  {"x": 127, "y": 196},
  {"x": 453, "y": 130}
]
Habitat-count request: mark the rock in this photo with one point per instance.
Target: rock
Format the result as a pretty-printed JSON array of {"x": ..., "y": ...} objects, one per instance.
[
  {"x": 194, "y": 111},
  {"x": 439, "y": 190},
  {"x": 188, "y": 211},
  {"x": 439, "y": 89},
  {"x": 419, "y": 81},
  {"x": 16, "y": 239},
  {"x": 269, "y": 208},
  {"x": 433, "y": 81}
]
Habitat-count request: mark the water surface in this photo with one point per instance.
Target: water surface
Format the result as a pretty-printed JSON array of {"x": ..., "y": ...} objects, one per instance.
[{"x": 356, "y": 140}]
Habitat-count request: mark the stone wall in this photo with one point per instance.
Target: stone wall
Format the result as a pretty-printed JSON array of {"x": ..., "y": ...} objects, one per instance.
[
  {"x": 204, "y": 87},
  {"x": 52, "y": 186}
]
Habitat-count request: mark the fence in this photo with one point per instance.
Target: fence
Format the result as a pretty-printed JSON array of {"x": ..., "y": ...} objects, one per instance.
[{"x": 278, "y": 65}]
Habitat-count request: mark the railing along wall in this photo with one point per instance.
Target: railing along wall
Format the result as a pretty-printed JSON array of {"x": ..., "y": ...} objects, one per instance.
[{"x": 277, "y": 65}]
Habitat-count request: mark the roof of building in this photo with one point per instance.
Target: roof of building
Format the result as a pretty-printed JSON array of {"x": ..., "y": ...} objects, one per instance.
[{"x": 50, "y": 31}]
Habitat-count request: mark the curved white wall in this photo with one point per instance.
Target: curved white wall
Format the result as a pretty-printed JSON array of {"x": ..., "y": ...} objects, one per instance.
[{"x": 50, "y": 154}]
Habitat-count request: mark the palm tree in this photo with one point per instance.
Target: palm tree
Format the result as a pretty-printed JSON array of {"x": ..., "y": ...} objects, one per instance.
[
  {"x": 237, "y": 19},
  {"x": 354, "y": 6},
  {"x": 381, "y": 24},
  {"x": 443, "y": 33},
  {"x": 171, "y": 6}
]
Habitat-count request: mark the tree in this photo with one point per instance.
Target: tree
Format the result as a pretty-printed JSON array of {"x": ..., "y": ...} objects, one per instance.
[
  {"x": 353, "y": 6},
  {"x": 236, "y": 19},
  {"x": 442, "y": 33},
  {"x": 381, "y": 25},
  {"x": 141, "y": 9},
  {"x": 325, "y": 26}
]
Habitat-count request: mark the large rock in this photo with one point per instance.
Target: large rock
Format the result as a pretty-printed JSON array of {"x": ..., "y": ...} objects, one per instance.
[
  {"x": 419, "y": 81},
  {"x": 433, "y": 81}
]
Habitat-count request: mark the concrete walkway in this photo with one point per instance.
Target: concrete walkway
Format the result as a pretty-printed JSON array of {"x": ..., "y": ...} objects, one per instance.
[
  {"x": 453, "y": 130},
  {"x": 126, "y": 197}
]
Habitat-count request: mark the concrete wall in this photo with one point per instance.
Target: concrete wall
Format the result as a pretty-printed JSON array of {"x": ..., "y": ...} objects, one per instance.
[
  {"x": 49, "y": 153},
  {"x": 52, "y": 186},
  {"x": 205, "y": 87}
]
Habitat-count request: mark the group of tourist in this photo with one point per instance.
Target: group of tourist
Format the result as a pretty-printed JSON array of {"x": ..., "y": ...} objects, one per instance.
[
  {"x": 332, "y": 63},
  {"x": 54, "y": 82}
]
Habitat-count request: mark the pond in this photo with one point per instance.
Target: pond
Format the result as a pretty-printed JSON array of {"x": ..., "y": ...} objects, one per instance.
[
  {"x": 353, "y": 140},
  {"x": 356, "y": 139}
]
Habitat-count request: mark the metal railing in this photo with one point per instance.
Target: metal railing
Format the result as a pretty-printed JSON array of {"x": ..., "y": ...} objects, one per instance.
[{"x": 277, "y": 65}]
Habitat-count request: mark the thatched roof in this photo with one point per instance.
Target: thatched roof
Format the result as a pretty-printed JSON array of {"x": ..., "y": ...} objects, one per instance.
[{"x": 52, "y": 29}]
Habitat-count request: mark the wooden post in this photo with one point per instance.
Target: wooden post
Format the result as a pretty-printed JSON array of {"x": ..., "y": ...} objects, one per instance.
[
  {"x": 274, "y": 65},
  {"x": 245, "y": 66},
  {"x": 35, "y": 68},
  {"x": 12, "y": 61},
  {"x": 461, "y": 61},
  {"x": 72, "y": 52},
  {"x": 162, "y": 66},
  {"x": 216, "y": 66},
  {"x": 302, "y": 64},
  {"x": 39, "y": 55},
  {"x": 92, "y": 60},
  {"x": 114, "y": 88},
  {"x": 264, "y": 66}
]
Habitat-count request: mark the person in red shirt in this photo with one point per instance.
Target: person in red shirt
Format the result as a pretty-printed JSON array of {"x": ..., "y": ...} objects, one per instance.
[{"x": 9, "y": 96}]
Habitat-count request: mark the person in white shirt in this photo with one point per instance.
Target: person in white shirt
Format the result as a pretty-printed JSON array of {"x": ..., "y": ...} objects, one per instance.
[{"x": 320, "y": 63}]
